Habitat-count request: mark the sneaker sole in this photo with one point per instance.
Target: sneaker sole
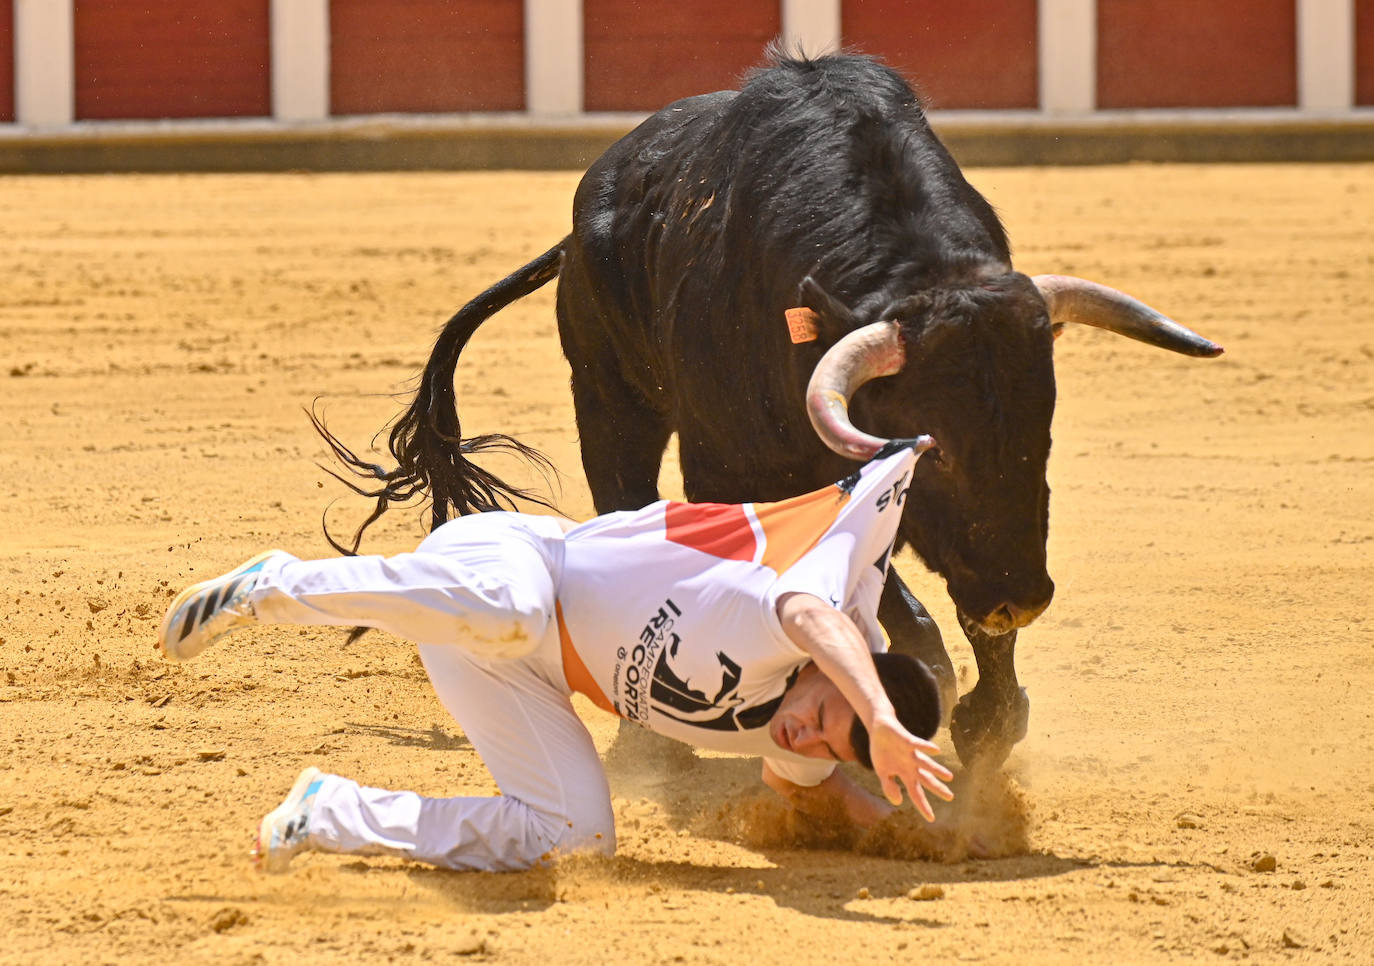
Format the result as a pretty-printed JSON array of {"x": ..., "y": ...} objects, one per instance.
[
  {"x": 174, "y": 608},
  {"x": 261, "y": 857}
]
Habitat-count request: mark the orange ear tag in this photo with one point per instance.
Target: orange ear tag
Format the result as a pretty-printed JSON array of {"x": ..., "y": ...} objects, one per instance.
[{"x": 801, "y": 324}]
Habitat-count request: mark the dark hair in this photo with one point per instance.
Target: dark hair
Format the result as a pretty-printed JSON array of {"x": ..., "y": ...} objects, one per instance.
[{"x": 915, "y": 695}]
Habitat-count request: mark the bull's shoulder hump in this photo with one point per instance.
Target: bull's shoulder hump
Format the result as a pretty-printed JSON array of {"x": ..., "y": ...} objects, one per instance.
[
  {"x": 611, "y": 196},
  {"x": 670, "y": 130}
]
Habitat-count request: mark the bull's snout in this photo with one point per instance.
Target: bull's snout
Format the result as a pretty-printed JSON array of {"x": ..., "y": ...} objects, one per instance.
[
  {"x": 1008, "y": 616},
  {"x": 1008, "y": 610}
]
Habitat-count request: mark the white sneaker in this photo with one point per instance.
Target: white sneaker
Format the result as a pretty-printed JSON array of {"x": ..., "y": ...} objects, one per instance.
[
  {"x": 284, "y": 831},
  {"x": 204, "y": 612}
]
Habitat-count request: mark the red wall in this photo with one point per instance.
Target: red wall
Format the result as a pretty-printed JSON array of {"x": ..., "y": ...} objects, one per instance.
[
  {"x": 640, "y": 55},
  {"x": 974, "y": 54},
  {"x": 6, "y": 60},
  {"x": 1190, "y": 53},
  {"x": 211, "y": 58},
  {"x": 426, "y": 56},
  {"x": 172, "y": 58},
  {"x": 1364, "y": 52}
]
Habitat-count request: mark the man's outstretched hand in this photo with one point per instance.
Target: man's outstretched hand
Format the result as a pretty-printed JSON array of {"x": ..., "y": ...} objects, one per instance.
[{"x": 901, "y": 759}]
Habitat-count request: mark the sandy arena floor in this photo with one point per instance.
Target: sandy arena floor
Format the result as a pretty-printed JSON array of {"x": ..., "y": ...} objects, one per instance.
[{"x": 1197, "y": 782}]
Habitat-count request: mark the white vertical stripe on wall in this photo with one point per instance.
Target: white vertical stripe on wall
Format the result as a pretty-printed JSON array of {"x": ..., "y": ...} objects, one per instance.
[
  {"x": 300, "y": 60},
  {"x": 1068, "y": 56},
  {"x": 1326, "y": 55},
  {"x": 812, "y": 25},
  {"x": 44, "y": 63},
  {"x": 553, "y": 57}
]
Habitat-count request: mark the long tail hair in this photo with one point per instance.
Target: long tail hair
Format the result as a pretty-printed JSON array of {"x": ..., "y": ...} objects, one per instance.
[{"x": 426, "y": 440}]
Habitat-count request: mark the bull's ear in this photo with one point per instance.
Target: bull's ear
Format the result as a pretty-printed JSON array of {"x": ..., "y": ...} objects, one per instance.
[{"x": 835, "y": 317}]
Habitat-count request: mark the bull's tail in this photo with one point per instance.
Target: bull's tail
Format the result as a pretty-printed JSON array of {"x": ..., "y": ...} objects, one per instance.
[{"x": 426, "y": 441}]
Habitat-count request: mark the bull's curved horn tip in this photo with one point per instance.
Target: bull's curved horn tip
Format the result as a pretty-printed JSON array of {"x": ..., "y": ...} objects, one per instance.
[
  {"x": 1202, "y": 349},
  {"x": 923, "y": 443}
]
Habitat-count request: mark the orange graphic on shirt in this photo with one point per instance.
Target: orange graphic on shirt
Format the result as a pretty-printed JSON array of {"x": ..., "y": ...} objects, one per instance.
[
  {"x": 792, "y": 527},
  {"x": 575, "y": 670}
]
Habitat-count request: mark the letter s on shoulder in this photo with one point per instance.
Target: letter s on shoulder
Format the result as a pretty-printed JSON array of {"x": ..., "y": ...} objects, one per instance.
[{"x": 897, "y": 492}]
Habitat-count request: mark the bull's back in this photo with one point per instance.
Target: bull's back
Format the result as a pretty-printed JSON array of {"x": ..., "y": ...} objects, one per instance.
[
  {"x": 618, "y": 207},
  {"x": 609, "y": 291}
]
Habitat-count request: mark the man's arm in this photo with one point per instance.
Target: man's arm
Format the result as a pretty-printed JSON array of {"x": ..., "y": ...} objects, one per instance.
[
  {"x": 832, "y": 640},
  {"x": 838, "y": 793}
]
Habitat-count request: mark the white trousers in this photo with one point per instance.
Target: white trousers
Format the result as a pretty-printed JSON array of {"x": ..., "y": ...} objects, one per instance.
[{"x": 477, "y": 596}]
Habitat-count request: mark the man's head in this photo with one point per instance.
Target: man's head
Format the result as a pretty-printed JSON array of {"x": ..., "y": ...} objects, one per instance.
[{"x": 817, "y": 721}]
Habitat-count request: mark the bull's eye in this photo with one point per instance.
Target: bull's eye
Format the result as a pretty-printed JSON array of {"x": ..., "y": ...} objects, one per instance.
[{"x": 934, "y": 455}]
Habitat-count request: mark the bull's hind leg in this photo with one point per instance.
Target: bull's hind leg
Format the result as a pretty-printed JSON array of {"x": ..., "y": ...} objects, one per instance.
[
  {"x": 622, "y": 442},
  {"x": 622, "y": 434},
  {"x": 994, "y": 716},
  {"x": 911, "y": 630}
]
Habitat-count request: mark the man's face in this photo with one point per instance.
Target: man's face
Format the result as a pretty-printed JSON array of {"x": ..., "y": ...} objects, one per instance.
[{"x": 814, "y": 719}]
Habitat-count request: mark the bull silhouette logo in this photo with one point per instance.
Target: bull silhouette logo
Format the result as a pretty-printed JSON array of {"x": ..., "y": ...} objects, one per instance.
[{"x": 707, "y": 696}]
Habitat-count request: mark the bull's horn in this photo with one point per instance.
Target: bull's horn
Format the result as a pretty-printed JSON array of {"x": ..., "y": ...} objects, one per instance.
[
  {"x": 1088, "y": 303},
  {"x": 866, "y": 353}
]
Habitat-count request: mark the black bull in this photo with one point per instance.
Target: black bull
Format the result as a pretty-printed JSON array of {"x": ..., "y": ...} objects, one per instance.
[{"x": 818, "y": 185}]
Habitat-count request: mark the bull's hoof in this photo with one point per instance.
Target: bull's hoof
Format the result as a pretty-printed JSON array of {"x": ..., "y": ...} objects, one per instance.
[{"x": 985, "y": 731}]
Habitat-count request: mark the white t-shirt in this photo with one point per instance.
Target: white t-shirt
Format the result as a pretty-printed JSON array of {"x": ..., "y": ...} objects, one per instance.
[{"x": 668, "y": 614}]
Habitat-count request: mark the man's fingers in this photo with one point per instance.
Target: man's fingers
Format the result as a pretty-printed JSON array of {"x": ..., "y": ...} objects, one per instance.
[
  {"x": 934, "y": 767},
  {"x": 918, "y": 798},
  {"x": 891, "y": 789},
  {"x": 940, "y": 789},
  {"x": 927, "y": 774},
  {"x": 926, "y": 745}
]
